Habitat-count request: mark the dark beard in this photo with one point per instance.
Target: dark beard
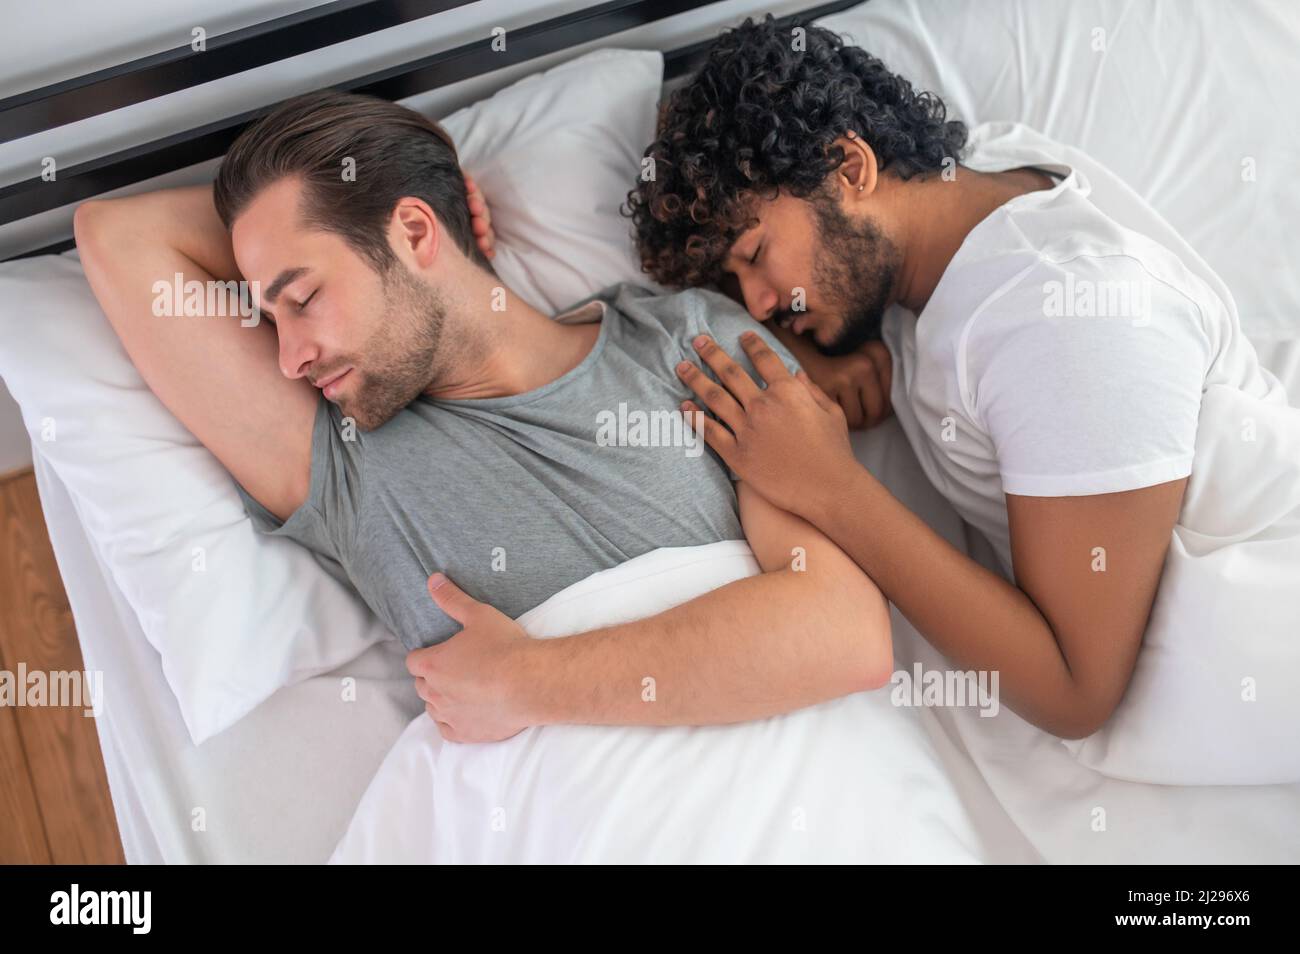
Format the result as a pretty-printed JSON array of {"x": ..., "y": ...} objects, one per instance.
[
  {"x": 854, "y": 269},
  {"x": 402, "y": 353}
]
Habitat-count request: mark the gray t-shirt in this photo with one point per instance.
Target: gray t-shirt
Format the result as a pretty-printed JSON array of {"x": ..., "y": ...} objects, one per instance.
[{"x": 517, "y": 497}]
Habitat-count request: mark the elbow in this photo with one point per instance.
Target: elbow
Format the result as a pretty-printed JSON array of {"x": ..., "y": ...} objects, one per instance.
[
  {"x": 83, "y": 218},
  {"x": 869, "y": 636},
  {"x": 1080, "y": 719},
  {"x": 878, "y": 664},
  {"x": 1072, "y": 728},
  {"x": 880, "y": 673},
  {"x": 103, "y": 226},
  {"x": 88, "y": 225}
]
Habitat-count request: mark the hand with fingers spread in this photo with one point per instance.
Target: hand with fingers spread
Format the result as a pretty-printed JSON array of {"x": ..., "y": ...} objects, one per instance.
[
  {"x": 480, "y": 218},
  {"x": 470, "y": 683},
  {"x": 789, "y": 441}
]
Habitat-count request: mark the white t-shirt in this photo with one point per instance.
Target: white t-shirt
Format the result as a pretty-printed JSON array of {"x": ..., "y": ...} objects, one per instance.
[{"x": 1062, "y": 353}]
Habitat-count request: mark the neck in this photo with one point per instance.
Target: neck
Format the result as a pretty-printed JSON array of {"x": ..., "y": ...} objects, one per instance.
[
  {"x": 497, "y": 353},
  {"x": 939, "y": 216}
]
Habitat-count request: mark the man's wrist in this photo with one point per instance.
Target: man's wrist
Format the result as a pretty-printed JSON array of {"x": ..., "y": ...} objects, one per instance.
[
  {"x": 529, "y": 682},
  {"x": 827, "y": 501}
]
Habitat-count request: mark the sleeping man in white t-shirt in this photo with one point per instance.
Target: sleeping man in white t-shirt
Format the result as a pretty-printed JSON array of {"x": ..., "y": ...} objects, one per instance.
[{"x": 1051, "y": 362}]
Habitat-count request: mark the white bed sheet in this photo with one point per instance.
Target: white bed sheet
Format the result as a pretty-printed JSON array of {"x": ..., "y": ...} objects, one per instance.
[{"x": 281, "y": 785}]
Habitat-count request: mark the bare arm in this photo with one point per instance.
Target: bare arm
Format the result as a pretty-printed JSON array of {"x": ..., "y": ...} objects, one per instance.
[
  {"x": 1064, "y": 638},
  {"x": 797, "y": 634},
  {"x": 761, "y": 646},
  {"x": 220, "y": 378}
]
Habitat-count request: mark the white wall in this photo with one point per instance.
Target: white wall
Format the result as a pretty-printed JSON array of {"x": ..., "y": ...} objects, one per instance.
[{"x": 37, "y": 47}]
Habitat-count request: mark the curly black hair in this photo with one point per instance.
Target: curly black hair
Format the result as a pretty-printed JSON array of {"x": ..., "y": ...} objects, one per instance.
[{"x": 760, "y": 117}]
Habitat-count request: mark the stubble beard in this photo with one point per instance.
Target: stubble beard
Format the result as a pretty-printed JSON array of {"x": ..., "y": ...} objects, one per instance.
[
  {"x": 854, "y": 269},
  {"x": 402, "y": 354}
]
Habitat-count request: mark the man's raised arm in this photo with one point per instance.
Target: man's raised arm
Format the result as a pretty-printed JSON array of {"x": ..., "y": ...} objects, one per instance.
[{"x": 218, "y": 374}]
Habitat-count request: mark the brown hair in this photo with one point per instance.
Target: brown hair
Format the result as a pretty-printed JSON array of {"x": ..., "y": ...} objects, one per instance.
[{"x": 396, "y": 151}]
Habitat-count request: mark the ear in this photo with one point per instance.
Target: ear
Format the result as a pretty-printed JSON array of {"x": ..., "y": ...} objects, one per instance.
[
  {"x": 416, "y": 231},
  {"x": 858, "y": 175}
]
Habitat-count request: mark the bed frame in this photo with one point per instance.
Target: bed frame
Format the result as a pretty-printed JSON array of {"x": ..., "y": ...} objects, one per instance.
[{"x": 38, "y": 110}]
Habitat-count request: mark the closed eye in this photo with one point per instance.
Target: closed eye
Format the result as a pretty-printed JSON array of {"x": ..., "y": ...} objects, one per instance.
[
  {"x": 753, "y": 259},
  {"x": 301, "y": 306}
]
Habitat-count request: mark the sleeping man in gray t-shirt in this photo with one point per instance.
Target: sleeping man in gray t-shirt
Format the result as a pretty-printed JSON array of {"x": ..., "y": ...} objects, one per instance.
[{"x": 424, "y": 420}]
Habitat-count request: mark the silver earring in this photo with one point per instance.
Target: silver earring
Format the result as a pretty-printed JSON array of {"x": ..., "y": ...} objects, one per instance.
[{"x": 860, "y": 188}]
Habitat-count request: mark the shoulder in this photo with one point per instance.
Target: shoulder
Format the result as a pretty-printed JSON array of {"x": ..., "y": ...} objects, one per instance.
[
  {"x": 676, "y": 318},
  {"x": 1110, "y": 299},
  {"x": 694, "y": 310},
  {"x": 1076, "y": 260},
  {"x": 680, "y": 314},
  {"x": 1067, "y": 332}
]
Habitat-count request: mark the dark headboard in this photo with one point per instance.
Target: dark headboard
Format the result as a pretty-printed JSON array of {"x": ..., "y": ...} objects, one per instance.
[{"x": 38, "y": 110}]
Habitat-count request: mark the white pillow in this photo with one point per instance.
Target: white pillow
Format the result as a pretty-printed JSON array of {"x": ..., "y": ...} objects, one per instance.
[
  {"x": 555, "y": 155},
  {"x": 235, "y": 614},
  {"x": 1190, "y": 104}
]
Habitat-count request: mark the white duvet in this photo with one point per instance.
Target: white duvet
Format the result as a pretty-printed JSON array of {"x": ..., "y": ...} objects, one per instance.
[
  {"x": 852, "y": 780},
  {"x": 1215, "y": 696}
]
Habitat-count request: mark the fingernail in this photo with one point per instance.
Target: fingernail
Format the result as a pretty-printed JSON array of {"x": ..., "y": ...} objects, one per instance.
[
  {"x": 683, "y": 367},
  {"x": 700, "y": 341},
  {"x": 437, "y": 580}
]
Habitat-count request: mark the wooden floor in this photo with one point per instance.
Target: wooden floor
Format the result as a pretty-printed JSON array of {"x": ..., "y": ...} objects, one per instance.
[{"x": 54, "y": 801}]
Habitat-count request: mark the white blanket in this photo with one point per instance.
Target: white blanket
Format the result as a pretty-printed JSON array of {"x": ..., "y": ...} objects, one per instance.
[
  {"x": 1215, "y": 697},
  {"x": 852, "y": 780}
]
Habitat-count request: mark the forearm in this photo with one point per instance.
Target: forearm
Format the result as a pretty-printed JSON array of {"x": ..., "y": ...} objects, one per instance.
[
  {"x": 177, "y": 225},
  {"x": 757, "y": 647},
  {"x": 975, "y": 617}
]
